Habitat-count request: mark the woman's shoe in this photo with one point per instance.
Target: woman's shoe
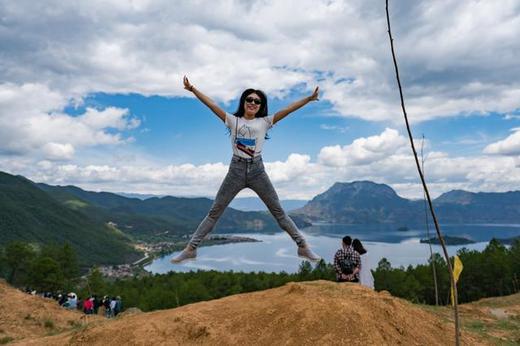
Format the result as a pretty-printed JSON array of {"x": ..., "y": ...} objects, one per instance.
[
  {"x": 307, "y": 253},
  {"x": 188, "y": 253}
]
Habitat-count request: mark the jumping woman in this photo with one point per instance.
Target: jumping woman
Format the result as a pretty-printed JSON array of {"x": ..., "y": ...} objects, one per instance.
[{"x": 248, "y": 127}]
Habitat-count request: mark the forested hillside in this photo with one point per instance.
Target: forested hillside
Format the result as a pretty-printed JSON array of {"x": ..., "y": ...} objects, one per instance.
[
  {"x": 29, "y": 214},
  {"x": 159, "y": 218}
]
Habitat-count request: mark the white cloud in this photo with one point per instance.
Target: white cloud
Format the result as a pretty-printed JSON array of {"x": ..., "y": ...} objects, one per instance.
[
  {"x": 57, "y": 151},
  {"x": 110, "y": 117},
  {"x": 341, "y": 129},
  {"x": 298, "y": 177},
  {"x": 507, "y": 146},
  {"x": 363, "y": 150},
  {"x": 55, "y": 53},
  {"x": 511, "y": 116},
  {"x": 32, "y": 122},
  {"x": 444, "y": 50},
  {"x": 295, "y": 166}
]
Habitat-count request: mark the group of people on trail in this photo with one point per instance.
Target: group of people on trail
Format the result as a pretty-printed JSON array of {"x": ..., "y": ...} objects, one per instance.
[
  {"x": 90, "y": 305},
  {"x": 112, "y": 306},
  {"x": 248, "y": 128},
  {"x": 348, "y": 263}
]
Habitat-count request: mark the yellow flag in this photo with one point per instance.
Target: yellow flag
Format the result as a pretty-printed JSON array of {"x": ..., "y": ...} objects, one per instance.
[{"x": 457, "y": 269}]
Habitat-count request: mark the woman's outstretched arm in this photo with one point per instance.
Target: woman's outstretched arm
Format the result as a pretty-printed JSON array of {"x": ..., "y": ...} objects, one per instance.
[
  {"x": 204, "y": 99},
  {"x": 296, "y": 105}
]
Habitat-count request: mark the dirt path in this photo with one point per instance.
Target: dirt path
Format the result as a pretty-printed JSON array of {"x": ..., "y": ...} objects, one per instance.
[{"x": 496, "y": 320}]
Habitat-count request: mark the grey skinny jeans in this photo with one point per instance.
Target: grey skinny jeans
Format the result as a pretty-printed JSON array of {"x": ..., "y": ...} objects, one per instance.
[{"x": 246, "y": 173}]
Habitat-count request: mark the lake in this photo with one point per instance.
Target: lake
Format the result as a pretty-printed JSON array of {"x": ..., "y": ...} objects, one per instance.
[{"x": 277, "y": 252}]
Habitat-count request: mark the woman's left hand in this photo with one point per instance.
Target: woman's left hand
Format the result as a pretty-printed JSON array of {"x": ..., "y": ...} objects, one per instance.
[{"x": 315, "y": 94}]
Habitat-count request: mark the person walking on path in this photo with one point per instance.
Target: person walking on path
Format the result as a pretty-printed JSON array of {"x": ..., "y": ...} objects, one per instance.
[{"x": 248, "y": 127}]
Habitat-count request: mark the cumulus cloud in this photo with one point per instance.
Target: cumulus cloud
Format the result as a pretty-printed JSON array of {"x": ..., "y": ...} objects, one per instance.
[
  {"x": 32, "y": 122},
  {"x": 295, "y": 166},
  {"x": 456, "y": 58},
  {"x": 57, "y": 151},
  {"x": 297, "y": 177},
  {"x": 134, "y": 176},
  {"x": 507, "y": 146},
  {"x": 363, "y": 150},
  {"x": 444, "y": 49}
]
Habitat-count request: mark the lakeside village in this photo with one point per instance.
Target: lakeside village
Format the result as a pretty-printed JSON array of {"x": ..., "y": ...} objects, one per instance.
[{"x": 154, "y": 250}]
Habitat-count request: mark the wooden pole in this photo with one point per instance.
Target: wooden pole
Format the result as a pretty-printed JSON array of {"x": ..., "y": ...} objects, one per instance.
[{"x": 425, "y": 188}]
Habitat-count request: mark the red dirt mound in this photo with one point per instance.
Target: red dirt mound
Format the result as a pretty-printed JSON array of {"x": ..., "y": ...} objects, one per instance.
[{"x": 309, "y": 313}]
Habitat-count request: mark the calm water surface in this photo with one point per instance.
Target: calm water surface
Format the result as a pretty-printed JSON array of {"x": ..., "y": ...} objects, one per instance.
[{"x": 277, "y": 252}]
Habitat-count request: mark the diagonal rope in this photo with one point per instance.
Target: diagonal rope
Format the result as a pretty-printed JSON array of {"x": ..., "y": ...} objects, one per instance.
[{"x": 425, "y": 188}]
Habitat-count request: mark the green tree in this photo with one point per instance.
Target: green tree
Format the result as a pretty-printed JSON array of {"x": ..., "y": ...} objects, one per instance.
[
  {"x": 18, "y": 259},
  {"x": 45, "y": 274},
  {"x": 304, "y": 271},
  {"x": 3, "y": 263},
  {"x": 323, "y": 271},
  {"x": 414, "y": 283},
  {"x": 66, "y": 257},
  {"x": 382, "y": 275},
  {"x": 95, "y": 282},
  {"x": 469, "y": 286},
  {"x": 515, "y": 265},
  {"x": 496, "y": 267},
  {"x": 68, "y": 261}
]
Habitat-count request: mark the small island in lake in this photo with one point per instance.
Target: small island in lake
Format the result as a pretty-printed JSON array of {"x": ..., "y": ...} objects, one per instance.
[
  {"x": 226, "y": 239},
  {"x": 403, "y": 229},
  {"x": 448, "y": 240}
]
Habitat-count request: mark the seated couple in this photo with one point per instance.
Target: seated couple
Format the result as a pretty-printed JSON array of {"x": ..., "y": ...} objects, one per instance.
[{"x": 348, "y": 263}]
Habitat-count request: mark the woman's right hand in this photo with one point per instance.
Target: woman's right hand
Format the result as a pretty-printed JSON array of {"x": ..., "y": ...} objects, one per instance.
[
  {"x": 187, "y": 85},
  {"x": 204, "y": 99}
]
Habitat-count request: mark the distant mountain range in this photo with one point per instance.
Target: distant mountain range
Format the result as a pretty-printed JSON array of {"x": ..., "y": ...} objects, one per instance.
[
  {"x": 155, "y": 218},
  {"x": 101, "y": 226},
  {"x": 29, "y": 214},
  {"x": 365, "y": 202},
  {"x": 239, "y": 203}
]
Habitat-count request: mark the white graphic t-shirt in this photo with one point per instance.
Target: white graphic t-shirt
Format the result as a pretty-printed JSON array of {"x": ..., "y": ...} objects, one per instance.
[{"x": 248, "y": 136}]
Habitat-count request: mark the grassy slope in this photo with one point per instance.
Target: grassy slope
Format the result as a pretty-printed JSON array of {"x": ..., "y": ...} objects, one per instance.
[{"x": 496, "y": 320}]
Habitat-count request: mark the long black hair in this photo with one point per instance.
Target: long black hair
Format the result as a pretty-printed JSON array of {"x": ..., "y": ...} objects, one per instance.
[
  {"x": 356, "y": 244},
  {"x": 262, "y": 111}
]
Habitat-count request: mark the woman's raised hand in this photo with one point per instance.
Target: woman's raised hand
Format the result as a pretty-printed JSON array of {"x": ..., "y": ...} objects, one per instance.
[
  {"x": 187, "y": 84},
  {"x": 315, "y": 94},
  {"x": 204, "y": 99}
]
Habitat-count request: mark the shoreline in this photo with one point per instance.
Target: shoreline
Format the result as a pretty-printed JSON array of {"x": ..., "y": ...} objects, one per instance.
[{"x": 155, "y": 250}]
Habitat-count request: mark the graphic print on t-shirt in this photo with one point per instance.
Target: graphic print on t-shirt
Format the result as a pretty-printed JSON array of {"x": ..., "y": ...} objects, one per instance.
[{"x": 245, "y": 140}]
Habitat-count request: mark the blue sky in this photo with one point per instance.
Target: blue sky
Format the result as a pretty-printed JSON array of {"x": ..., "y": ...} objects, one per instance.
[
  {"x": 181, "y": 129},
  {"x": 91, "y": 93}
]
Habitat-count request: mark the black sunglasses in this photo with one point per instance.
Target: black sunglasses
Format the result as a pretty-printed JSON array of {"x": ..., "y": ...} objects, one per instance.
[{"x": 253, "y": 100}]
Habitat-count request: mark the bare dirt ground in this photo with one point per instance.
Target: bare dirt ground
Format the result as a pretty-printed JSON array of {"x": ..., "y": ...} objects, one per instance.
[
  {"x": 24, "y": 316},
  {"x": 496, "y": 320},
  {"x": 308, "y": 313}
]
